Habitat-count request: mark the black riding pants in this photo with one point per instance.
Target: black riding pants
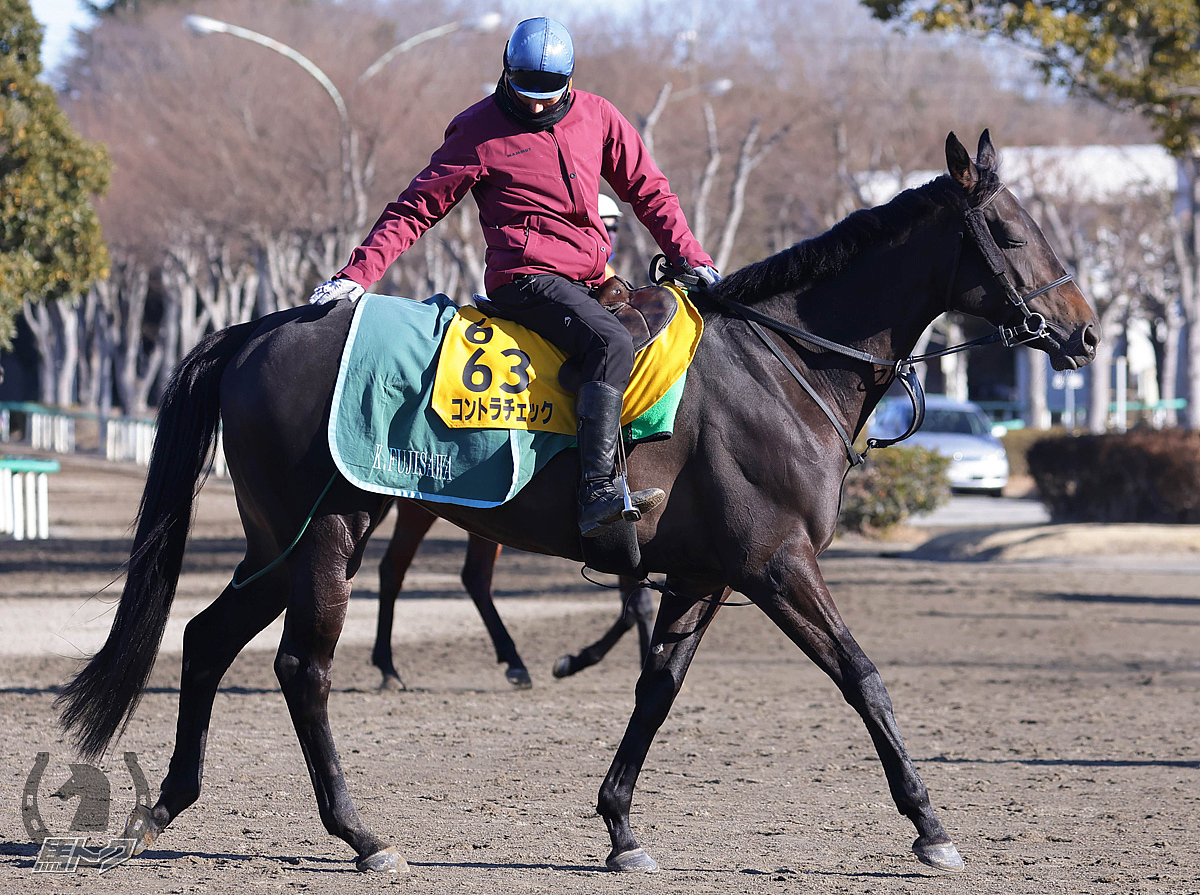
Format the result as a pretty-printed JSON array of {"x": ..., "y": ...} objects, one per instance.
[{"x": 564, "y": 312}]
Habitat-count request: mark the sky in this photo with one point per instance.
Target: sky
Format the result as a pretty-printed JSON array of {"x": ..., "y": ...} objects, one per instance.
[{"x": 58, "y": 16}]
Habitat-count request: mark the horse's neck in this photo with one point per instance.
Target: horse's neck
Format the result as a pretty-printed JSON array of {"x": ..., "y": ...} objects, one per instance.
[{"x": 881, "y": 304}]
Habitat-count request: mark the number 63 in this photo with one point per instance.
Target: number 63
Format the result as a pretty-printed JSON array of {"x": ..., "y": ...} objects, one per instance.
[{"x": 520, "y": 368}]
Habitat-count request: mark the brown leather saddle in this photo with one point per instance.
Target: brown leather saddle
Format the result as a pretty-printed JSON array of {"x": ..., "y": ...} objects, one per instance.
[{"x": 645, "y": 313}]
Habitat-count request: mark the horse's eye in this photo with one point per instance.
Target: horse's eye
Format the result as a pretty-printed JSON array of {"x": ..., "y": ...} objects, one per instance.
[{"x": 1006, "y": 237}]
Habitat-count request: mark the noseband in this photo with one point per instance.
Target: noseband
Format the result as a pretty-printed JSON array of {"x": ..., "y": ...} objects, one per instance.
[{"x": 1033, "y": 326}]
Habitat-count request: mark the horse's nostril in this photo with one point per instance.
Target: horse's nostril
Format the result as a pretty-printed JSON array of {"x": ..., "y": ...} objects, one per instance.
[{"x": 1091, "y": 336}]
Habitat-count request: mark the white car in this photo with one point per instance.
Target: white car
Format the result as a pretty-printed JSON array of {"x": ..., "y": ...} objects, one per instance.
[{"x": 955, "y": 429}]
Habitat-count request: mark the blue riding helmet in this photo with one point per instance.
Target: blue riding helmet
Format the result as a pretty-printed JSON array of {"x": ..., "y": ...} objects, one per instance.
[{"x": 539, "y": 58}]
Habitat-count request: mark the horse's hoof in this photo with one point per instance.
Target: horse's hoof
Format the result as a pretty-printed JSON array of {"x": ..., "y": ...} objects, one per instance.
[
  {"x": 141, "y": 828},
  {"x": 633, "y": 861},
  {"x": 392, "y": 683},
  {"x": 562, "y": 668},
  {"x": 386, "y": 860},
  {"x": 939, "y": 855},
  {"x": 519, "y": 678}
]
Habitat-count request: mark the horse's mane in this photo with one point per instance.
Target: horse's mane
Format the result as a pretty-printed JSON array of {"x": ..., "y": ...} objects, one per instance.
[{"x": 818, "y": 259}]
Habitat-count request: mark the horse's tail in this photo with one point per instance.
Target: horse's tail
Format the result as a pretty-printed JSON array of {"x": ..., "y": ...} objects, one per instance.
[{"x": 99, "y": 701}]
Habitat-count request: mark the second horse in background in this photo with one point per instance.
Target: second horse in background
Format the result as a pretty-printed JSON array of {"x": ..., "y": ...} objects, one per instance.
[{"x": 412, "y": 524}]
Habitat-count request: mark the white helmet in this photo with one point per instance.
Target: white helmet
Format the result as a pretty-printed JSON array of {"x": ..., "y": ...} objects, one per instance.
[{"x": 607, "y": 207}]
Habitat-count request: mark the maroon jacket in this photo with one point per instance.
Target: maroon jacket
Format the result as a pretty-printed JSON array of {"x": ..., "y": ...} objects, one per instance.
[{"x": 536, "y": 194}]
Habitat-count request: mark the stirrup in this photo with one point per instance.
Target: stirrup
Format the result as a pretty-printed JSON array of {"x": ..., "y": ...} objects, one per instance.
[
  {"x": 619, "y": 502},
  {"x": 648, "y": 498},
  {"x": 629, "y": 512},
  {"x": 591, "y": 520}
]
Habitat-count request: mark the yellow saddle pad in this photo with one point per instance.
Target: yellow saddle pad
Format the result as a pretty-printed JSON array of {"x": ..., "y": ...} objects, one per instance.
[{"x": 496, "y": 374}]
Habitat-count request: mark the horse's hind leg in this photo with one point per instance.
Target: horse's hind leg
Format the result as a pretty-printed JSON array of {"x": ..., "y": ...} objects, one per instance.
[
  {"x": 682, "y": 621},
  {"x": 477, "y": 575},
  {"x": 792, "y": 592},
  {"x": 211, "y": 642},
  {"x": 412, "y": 524},
  {"x": 322, "y": 569},
  {"x": 637, "y": 607},
  {"x": 641, "y": 606}
]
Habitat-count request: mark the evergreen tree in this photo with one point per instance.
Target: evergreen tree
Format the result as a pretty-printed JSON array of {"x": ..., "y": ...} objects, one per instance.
[
  {"x": 50, "y": 242},
  {"x": 1142, "y": 55},
  {"x": 118, "y": 8}
]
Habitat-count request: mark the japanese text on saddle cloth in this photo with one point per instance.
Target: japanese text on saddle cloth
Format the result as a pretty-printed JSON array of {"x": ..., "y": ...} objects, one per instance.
[{"x": 493, "y": 373}]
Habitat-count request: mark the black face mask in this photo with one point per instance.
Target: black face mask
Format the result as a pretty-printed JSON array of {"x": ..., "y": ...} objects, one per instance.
[{"x": 523, "y": 115}]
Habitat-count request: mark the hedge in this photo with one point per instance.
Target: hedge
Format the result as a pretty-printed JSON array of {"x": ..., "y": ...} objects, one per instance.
[
  {"x": 1017, "y": 443},
  {"x": 1140, "y": 476},
  {"x": 894, "y": 483}
]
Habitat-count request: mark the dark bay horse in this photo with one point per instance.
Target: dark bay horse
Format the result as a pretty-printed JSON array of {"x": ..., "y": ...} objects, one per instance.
[
  {"x": 413, "y": 522},
  {"x": 752, "y": 474}
]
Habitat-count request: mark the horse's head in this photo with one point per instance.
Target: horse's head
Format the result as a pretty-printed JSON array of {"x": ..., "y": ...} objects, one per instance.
[{"x": 1006, "y": 265}]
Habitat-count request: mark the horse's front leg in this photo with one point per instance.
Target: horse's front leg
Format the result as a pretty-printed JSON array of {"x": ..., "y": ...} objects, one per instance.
[
  {"x": 682, "y": 621},
  {"x": 792, "y": 592}
]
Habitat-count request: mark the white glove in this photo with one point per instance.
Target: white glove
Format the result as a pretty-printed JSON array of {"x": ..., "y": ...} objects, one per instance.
[
  {"x": 332, "y": 290},
  {"x": 708, "y": 275}
]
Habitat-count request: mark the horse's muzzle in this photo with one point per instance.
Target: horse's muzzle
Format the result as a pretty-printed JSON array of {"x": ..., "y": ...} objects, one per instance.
[{"x": 1074, "y": 352}]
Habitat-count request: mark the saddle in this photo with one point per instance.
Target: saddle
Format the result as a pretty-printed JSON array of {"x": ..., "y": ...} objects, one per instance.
[{"x": 645, "y": 313}]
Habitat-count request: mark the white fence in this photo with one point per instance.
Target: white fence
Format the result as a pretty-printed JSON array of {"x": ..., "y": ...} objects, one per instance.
[
  {"x": 25, "y": 498},
  {"x": 132, "y": 440},
  {"x": 121, "y": 439},
  {"x": 52, "y": 432},
  {"x": 129, "y": 440}
]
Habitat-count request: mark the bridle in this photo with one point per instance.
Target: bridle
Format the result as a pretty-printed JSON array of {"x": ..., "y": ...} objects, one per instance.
[
  {"x": 1033, "y": 326},
  {"x": 1030, "y": 328}
]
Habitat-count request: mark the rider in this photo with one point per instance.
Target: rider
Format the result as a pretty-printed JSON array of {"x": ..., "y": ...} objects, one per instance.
[
  {"x": 610, "y": 216},
  {"x": 532, "y": 154}
]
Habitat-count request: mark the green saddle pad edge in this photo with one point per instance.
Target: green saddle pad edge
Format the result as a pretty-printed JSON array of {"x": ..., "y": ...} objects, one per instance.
[{"x": 382, "y": 411}]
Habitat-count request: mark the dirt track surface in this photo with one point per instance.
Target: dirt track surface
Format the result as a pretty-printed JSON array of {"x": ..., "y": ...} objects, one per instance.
[
  {"x": 1051, "y": 711},
  {"x": 1159, "y": 545}
]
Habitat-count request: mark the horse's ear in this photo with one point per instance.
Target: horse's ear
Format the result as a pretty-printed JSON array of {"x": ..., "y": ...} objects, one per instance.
[
  {"x": 986, "y": 156},
  {"x": 959, "y": 163}
]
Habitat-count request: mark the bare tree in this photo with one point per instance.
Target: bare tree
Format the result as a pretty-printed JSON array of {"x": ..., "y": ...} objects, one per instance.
[
  {"x": 750, "y": 156},
  {"x": 230, "y": 186},
  {"x": 50, "y": 329},
  {"x": 1159, "y": 300},
  {"x": 1073, "y": 228},
  {"x": 122, "y": 311}
]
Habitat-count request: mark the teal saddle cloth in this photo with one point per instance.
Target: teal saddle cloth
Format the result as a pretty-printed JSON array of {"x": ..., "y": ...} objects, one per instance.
[{"x": 386, "y": 438}]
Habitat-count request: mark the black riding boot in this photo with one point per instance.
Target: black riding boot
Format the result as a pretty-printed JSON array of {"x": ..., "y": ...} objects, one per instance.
[{"x": 598, "y": 411}]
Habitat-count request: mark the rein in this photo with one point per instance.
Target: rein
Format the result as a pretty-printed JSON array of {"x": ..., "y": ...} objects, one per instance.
[
  {"x": 1033, "y": 326},
  {"x": 661, "y": 588}
]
